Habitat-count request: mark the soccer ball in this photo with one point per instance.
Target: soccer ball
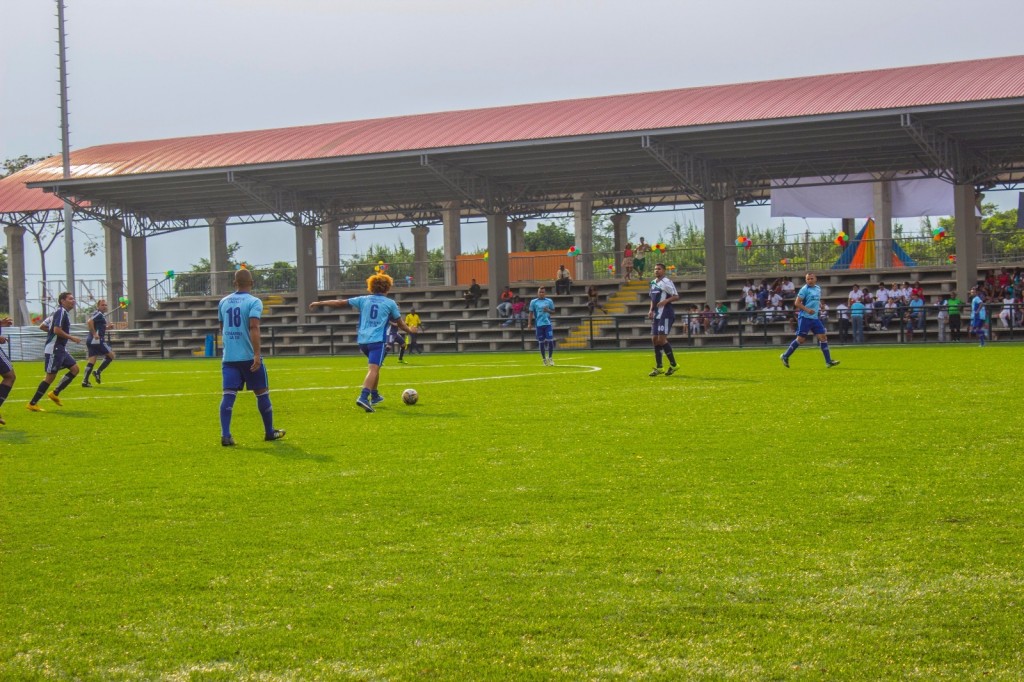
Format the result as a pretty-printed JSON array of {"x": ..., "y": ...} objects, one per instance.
[{"x": 410, "y": 396}]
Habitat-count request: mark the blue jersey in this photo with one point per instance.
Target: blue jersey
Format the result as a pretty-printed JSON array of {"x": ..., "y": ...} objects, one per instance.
[
  {"x": 978, "y": 307},
  {"x": 60, "y": 318},
  {"x": 811, "y": 296},
  {"x": 542, "y": 309},
  {"x": 99, "y": 323},
  {"x": 234, "y": 313},
  {"x": 376, "y": 313}
]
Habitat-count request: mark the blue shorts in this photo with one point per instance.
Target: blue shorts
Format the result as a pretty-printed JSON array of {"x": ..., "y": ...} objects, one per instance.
[
  {"x": 237, "y": 375},
  {"x": 977, "y": 323},
  {"x": 95, "y": 349},
  {"x": 58, "y": 360},
  {"x": 662, "y": 326},
  {"x": 374, "y": 352},
  {"x": 5, "y": 363},
  {"x": 806, "y": 326},
  {"x": 545, "y": 333}
]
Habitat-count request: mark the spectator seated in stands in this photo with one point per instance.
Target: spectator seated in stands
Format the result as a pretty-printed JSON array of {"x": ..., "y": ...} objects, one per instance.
[
  {"x": 563, "y": 282},
  {"x": 518, "y": 313},
  {"x": 505, "y": 307},
  {"x": 721, "y": 318},
  {"x": 916, "y": 310},
  {"x": 473, "y": 294}
]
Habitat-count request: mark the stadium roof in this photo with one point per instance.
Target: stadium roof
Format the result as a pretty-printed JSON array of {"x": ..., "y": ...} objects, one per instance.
[{"x": 960, "y": 120}]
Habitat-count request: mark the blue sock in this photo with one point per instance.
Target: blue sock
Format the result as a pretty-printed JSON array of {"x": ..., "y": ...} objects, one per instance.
[
  {"x": 5, "y": 391},
  {"x": 227, "y": 404},
  {"x": 657, "y": 356},
  {"x": 551, "y": 348},
  {"x": 825, "y": 352},
  {"x": 266, "y": 411},
  {"x": 364, "y": 394},
  {"x": 104, "y": 365},
  {"x": 374, "y": 394},
  {"x": 667, "y": 349},
  {"x": 792, "y": 348}
]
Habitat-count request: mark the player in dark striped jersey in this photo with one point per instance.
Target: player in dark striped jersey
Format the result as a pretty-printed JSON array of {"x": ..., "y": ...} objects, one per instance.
[
  {"x": 97, "y": 344},
  {"x": 55, "y": 354},
  {"x": 6, "y": 368},
  {"x": 662, "y": 314}
]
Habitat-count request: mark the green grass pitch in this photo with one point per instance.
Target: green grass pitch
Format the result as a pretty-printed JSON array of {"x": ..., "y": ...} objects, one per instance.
[{"x": 583, "y": 521}]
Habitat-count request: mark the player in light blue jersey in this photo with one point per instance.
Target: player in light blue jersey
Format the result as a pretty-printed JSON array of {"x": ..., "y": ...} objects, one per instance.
[
  {"x": 540, "y": 317},
  {"x": 979, "y": 315},
  {"x": 808, "y": 303},
  {"x": 377, "y": 313},
  {"x": 239, "y": 314}
]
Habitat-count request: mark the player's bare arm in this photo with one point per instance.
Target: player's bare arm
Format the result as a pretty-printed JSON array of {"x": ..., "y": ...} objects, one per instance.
[
  {"x": 332, "y": 303},
  {"x": 254, "y": 336}
]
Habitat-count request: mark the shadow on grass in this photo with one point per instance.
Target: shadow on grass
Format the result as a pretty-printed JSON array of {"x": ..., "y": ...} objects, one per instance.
[
  {"x": 11, "y": 436},
  {"x": 285, "y": 450}
]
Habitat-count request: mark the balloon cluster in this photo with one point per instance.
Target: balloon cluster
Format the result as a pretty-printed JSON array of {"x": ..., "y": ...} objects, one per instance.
[
  {"x": 744, "y": 242},
  {"x": 572, "y": 251},
  {"x": 380, "y": 267},
  {"x": 951, "y": 258},
  {"x": 841, "y": 239},
  {"x": 169, "y": 274},
  {"x": 243, "y": 266},
  {"x": 487, "y": 256},
  {"x": 408, "y": 280},
  {"x": 660, "y": 247},
  {"x": 785, "y": 261},
  {"x": 123, "y": 302},
  {"x": 938, "y": 233},
  {"x": 671, "y": 268},
  {"x": 611, "y": 269}
]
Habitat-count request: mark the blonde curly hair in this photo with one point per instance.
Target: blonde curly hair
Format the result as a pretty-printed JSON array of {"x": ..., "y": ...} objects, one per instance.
[{"x": 379, "y": 283}]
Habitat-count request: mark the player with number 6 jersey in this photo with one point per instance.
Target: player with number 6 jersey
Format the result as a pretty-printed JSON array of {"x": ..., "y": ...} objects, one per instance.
[{"x": 376, "y": 313}]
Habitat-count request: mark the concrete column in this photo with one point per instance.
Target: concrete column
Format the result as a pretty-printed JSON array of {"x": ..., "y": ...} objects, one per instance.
[
  {"x": 732, "y": 214},
  {"x": 497, "y": 262},
  {"x": 452, "y": 221},
  {"x": 113, "y": 242},
  {"x": 330, "y": 247},
  {"x": 305, "y": 266},
  {"x": 138, "y": 285},
  {"x": 883, "y": 223},
  {"x": 17, "y": 303},
  {"x": 620, "y": 236},
  {"x": 849, "y": 226},
  {"x": 220, "y": 269},
  {"x": 421, "y": 255},
  {"x": 583, "y": 221},
  {"x": 516, "y": 229},
  {"x": 967, "y": 229},
  {"x": 715, "y": 218}
]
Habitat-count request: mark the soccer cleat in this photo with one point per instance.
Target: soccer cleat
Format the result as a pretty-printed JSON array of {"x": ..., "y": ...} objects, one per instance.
[
  {"x": 34, "y": 408},
  {"x": 365, "y": 405},
  {"x": 656, "y": 371},
  {"x": 671, "y": 370},
  {"x": 96, "y": 376},
  {"x": 86, "y": 384},
  {"x": 379, "y": 399},
  {"x": 55, "y": 398},
  {"x": 227, "y": 440},
  {"x": 785, "y": 360},
  {"x": 832, "y": 363},
  {"x": 402, "y": 362},
  {"x": 551, "y": 362},
  {"x": 276, "y": 434}
]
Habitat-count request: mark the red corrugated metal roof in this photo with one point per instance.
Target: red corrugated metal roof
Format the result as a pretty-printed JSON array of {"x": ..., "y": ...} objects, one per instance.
[
  {"x": 949, "y": 83},
  {"x": 16, "y": 197}
]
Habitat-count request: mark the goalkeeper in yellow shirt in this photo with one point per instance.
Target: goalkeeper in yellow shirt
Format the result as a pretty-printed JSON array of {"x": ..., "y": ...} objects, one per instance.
[{"x": 412, "y": 320}]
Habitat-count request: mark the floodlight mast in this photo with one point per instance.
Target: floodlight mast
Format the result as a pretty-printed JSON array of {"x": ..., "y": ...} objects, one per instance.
[{"x": 65, "y": 147}]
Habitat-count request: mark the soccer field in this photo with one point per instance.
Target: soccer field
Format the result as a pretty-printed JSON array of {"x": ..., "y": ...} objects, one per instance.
[{"x": 584, "y": 521}]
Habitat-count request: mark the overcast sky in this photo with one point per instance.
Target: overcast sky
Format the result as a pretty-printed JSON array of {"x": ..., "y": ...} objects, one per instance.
[{"x": 149, "y": 69}]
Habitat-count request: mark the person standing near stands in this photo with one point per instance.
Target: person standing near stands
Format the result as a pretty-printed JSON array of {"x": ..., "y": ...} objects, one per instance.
[
  {"x": 808, "y": 302},
  {"x": 978, "y": 315},
  {"x": 955, "y": 307},
  {"x": 412, "y": 321},
  {"x": 540, "y": 317},
  {"x": 55, "y": 354},
  {"x": 662, "y": 314},
  {"x": 7, "y": 376},
  {"x": 242, "y": 365},
  {"x": 96, "y": 343}
]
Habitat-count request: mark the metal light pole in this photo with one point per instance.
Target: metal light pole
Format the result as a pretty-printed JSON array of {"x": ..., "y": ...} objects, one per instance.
[{"x": 65, "y": 147}]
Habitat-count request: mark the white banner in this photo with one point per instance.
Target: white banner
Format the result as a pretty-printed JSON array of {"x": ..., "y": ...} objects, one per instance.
[{"x": 910, "y": 198}]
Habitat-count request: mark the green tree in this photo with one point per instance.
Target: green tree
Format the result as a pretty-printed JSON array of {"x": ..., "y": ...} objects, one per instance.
[
  {"x": 552, "y": 236},
  {"x": 196, "y": 282}
]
